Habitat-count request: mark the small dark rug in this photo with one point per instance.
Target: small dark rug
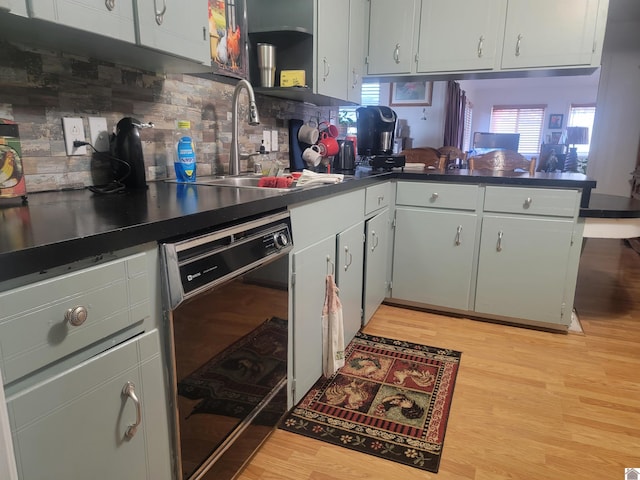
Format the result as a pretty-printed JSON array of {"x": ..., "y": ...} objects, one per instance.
[
  {"x": 233, "y": 382},
  {"x": 391, "y": 399}
]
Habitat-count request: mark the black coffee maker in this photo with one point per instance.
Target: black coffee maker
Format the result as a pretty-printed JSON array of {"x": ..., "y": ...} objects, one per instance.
[
  {"x": 126, "y": 151},
  {"x": 376, "y": 130}
]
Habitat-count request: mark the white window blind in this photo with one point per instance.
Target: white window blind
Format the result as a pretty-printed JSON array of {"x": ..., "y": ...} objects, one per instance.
[
  {"x": 527, "y": 120},
  {"x": 582, "y": 116},
  {"x": 370, "y": 95}
]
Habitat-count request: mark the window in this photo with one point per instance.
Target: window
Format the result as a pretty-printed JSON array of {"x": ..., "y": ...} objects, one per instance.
[
  {"x": 527, "y": 120},
  {"x": 582, "y": 116},
  {"x": 370, "y": 95}
]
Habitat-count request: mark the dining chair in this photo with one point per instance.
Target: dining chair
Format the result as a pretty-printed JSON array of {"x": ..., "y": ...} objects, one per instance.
[
  {"x": 431, "y": 157},
  {"x": 502, "y": 161}
]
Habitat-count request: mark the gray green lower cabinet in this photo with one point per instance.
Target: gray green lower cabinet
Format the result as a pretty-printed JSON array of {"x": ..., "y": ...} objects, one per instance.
[
  {"x": 522, "y": 267},
  {"x": 433, "y": 256},
  {"x": 349, "y": 271},
  {"x": 506, "y": 253},
  {"x": 75, "y": 425},
  {"x": 377, "y": 250}
]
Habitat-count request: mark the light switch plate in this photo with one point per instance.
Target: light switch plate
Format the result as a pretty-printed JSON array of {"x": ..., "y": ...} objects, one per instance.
[
  {"x": 266, "y": 137},
  {"x": 73, "y": 129},
  {"x": 99, "y": 136},
  {"x": 274, "y": 140}
]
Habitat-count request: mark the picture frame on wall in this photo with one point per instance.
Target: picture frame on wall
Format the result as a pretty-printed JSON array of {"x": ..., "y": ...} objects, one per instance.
[
  {"x": 410, "y": 94},
  {"x": 555, "y": 120},
  {"x": 555, "y": 137},
  {"x": 228, "y": 38}
]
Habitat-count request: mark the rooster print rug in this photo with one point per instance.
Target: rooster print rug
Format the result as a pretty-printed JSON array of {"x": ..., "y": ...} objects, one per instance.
[{"x": 391, "y": 399}]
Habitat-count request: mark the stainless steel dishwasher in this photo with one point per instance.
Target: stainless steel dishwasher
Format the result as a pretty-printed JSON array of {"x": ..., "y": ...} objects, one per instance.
[{"x": 227, "y": 297}]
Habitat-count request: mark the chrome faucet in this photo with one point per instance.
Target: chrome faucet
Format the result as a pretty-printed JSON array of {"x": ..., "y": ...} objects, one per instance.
[{"x": 234, "y": 157}]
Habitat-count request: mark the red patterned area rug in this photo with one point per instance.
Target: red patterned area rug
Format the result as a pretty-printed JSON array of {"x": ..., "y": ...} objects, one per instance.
[{"x": 391, "y": 399}]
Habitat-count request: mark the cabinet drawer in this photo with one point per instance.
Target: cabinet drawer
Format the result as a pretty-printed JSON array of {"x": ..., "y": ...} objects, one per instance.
[
  {"x": 33, "y": 328},
  {"x": 532, "y": 201},
  {"x": 438, "y": 195},
  {"x": 377, "y": 197}
]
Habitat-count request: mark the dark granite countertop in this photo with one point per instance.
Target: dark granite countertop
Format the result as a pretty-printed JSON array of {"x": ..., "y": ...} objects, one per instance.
[{"x": 57, "y": 228}]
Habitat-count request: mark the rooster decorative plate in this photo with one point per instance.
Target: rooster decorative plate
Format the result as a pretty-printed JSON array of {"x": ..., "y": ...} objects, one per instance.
[{"x": 10, "y": 167}]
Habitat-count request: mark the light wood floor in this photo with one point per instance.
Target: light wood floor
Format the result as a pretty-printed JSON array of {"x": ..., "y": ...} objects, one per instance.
[{"x": 527, "y": 404}]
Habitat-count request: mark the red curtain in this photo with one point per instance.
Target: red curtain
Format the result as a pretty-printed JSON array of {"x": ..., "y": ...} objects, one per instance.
[{"x": 454, "y": 119}]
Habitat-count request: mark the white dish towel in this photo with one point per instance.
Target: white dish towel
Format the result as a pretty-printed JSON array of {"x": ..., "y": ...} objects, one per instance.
[{"x": 332, "y": 330}]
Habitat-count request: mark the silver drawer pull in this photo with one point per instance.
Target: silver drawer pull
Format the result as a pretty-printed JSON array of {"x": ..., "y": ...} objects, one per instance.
[
  {"x": 129, "y": 391},
  {"x": 160, "y": 14},
  {"x": 348, "y": 258},
  {"x": 380, "y": 199},
  {"x": 518, "y": 45},
  {"x": 499, "y": 245},
  {"x": 110, "y": 4},
  {"x": 374, "y": 240},
  {"x": 396, "y": 53},
  {"x": 76, "y": 316},
  {"x": 527, "y": 202},
  {"x": 458, "y": 233},
  {"x": 434, "y": 195}
]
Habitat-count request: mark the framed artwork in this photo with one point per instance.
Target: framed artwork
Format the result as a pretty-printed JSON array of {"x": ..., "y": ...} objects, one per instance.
[
  {"x": 228, "y": 37},
  {"x": 555, "y": 120},
  {"x": 410, "y": 94},
  {"x": 555, "y": 137}
]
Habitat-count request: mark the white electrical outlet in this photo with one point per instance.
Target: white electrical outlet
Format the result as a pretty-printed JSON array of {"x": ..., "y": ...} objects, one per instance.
[
  {"x": 73, "y": 131},
  {"x": 98, "y": 134},
  {"x": 266, "y": 137},
  {"x": 274, "y": 140}
]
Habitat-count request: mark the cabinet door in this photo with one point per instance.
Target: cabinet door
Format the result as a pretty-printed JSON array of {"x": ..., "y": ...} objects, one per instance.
[
  {"x": 333, "y": 40},
  {"x": 522, "y": 267},
  {"x": 548, "y": 33},
  {"x": 392, "y": 30},
  {"x": 433, "y": 256},
  {"x": 358, "y": 26},
  {"x": 349, "y": 269},
  {"x": 376, "y": 274},
  {"x": 73, "y": 425},
  {"x": 172, "y": 26},
  {"x": 309, "y": 267},
  {"x": 459, "y": 35},
  {"x": 94, "y": 16}
]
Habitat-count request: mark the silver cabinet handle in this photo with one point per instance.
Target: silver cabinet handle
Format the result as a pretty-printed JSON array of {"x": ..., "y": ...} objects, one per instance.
[
  {"x": 434, "y": 196},
  {"x": 327, "y": 69},
  {"x": 458, "y": 233},
  {"x": 499, "y": 245},
  {"x": 396, "y": 53},
  {"x": 76, "y": 316},
  {"x": 374, "y": 240},
  {"x": 480, "y": 44},
  {"x": 331, "y": 268},
  {"x": 380, "y": 199},
  {"x": 527, "y": 202},
  {"x": 160, "y": 14},
  {"x": 110, "y": 4},
  {"x": 348, "y": 258},
  {"x": 518, "y": 45},
  {"x": 356, "y": 79},
  {"x": 129, "y": 391}
]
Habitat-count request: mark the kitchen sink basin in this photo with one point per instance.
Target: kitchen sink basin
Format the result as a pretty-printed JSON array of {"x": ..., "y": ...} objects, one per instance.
[{"x": 232, "y": 181}]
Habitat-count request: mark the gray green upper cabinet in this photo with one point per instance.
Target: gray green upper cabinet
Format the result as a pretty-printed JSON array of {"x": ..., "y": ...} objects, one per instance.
[
  {"x": 393, "y": 28},
  {"x": 325, "y": 38},
  {"x": 472, "y": 43},
  {"x": 173, "y": 26},
  {"x": 410, "y": 37},
  {"x": 549, "y": 33}
]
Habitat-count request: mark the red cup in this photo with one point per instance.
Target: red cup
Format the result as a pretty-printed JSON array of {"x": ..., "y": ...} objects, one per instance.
[
  {"x": 330, "y": 129},
  {"x": 329, "y": 143}
]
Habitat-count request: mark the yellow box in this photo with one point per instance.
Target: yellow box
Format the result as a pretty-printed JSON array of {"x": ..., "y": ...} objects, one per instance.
[{"x": 292, "y": 78}]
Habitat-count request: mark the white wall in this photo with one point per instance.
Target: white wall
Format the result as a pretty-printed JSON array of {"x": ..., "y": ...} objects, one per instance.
[
  {"x": 616, "y": 133},
  {"x": 424, "y": 133}
]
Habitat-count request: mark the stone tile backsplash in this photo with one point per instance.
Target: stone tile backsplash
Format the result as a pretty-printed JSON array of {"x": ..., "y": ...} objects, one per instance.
[{"x": 38, "y": 88}]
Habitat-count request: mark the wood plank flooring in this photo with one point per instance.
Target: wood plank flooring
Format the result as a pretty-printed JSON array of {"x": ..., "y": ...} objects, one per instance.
[{"x": 527, "y": 404}]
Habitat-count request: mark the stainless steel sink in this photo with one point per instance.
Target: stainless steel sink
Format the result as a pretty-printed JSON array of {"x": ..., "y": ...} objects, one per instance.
[{"x": 240, "y": 181}]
